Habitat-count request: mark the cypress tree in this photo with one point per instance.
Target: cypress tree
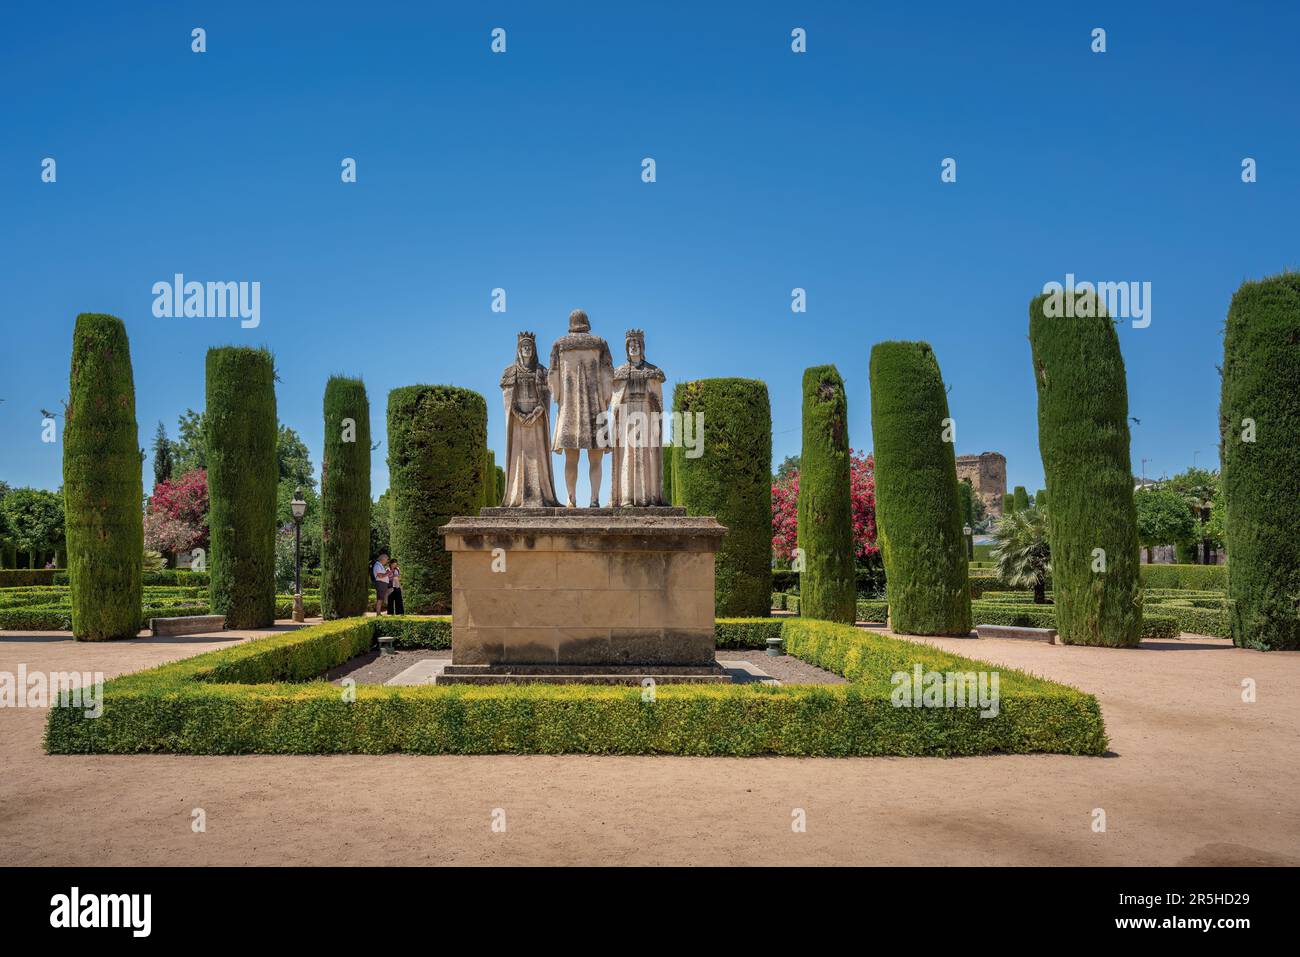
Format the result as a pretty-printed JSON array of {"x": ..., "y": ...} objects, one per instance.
[
  {"x": 1084, "y": 441},
  {"x": 731, "y": 479},
  {"x": 241, "y": 433},
  {"x": 489, "y": 478},
  {"x": 1040, "y": 498},
  {"x": 1259, "y": 419},
  {"x": 1008, "y": 504},
  {"x": 345, "y": 500},
  {"x": 437, "y": 435},
  {"x": 918, "y": 515},
  {"x": 667, "y": 453},
  {"x": 827, "y": 585},
  {"x": 102, "y": 484},
  {"x": 1021, "y": 498}
]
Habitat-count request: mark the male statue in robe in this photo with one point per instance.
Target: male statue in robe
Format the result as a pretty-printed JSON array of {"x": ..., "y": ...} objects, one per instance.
[
  {"x": 527, "y": 396},
  {"x": 638, "y": 472},
  {"x": 582, "y": 381}
]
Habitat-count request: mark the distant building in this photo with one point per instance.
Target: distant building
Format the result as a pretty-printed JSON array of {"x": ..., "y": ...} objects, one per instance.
[{"x": 988, "y": 476}]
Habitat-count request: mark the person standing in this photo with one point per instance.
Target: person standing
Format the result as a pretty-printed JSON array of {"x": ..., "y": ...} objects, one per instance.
[
  {"x": 582, "y": 381},
  {"x": 379, "y": 575},
  {"x": 395, "y": 606}
]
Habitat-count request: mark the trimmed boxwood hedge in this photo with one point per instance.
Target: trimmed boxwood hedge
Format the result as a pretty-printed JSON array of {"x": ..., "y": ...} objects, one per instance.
[
  {"x": 177, "y": 576},
  {"x": 918, "y": 513},
  {"x": 731, "y": 480},
  {"x": 825, "y": 510},
  {"x": 1259, "y": 416},
  {"x": 1195, "y": 577},
  {"x": 436, "y": 440},
  {"x": 1044, "y": 616},
  {"x": 1215, "y": 622},
  {"x": 1083, "y": 437},
  {"x": 874, "y": 611},
  {"x": 415, "y": 632},
  {"x": 345, "y": 500},
  {"x": 18, "y": 577},
  {"x": 745, "y": 632},
  {"x": 241, "y": 431},
  {"x": 102, "y": 485},
  {"x": 57, "y": 615},
  {"x": 263, "y": 697}
]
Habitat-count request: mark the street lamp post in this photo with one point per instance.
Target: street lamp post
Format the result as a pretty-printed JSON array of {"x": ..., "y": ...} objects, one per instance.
[
  {"x": 299, "y": 509},
  {"x": 970, "y": 542}
]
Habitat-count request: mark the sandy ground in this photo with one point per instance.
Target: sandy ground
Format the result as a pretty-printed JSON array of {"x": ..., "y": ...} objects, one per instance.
[{"x": 1196, "y": 777}]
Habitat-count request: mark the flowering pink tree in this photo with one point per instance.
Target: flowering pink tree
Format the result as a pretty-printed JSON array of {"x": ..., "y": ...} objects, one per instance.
[
  {"x": 862, "y": 488},
  {"x": 177, "y": 518}
]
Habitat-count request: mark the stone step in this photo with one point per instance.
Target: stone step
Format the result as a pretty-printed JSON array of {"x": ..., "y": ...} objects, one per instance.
[
  {"x": 186, "y": 625},
  {"x": 636, "y": 671},
  {"x": 1018, "y": 631},
  {"x": 485, "y": 678}
]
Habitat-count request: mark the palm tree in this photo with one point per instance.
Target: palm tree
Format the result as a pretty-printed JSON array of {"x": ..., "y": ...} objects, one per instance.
[{"x": 1022, "y": 551}]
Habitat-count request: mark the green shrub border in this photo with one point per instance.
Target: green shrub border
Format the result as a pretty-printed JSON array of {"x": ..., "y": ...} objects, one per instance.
[{"x": 264, "y": 697}]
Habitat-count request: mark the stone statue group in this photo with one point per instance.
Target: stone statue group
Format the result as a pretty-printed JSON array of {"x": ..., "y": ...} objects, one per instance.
[{"x": 600, "y": 409}]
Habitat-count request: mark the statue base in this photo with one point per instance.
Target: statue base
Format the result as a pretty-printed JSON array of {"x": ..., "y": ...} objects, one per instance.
[{"x": 608, "y": 595}]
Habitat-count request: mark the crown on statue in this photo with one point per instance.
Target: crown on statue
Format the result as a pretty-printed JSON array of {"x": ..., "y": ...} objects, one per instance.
[
  {"x": 637, "y": 334},
  {"x": 530, "y": 336}
]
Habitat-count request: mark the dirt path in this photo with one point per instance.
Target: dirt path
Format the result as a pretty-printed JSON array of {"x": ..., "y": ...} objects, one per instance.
[{"x": 1197, "y": 777}]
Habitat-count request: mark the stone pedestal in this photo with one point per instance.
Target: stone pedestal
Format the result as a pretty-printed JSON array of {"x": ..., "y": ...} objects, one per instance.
[{"x": 609, "y": 593}]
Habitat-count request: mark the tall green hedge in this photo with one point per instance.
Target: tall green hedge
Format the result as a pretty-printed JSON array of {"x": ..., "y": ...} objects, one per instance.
[
  {"x": 436, "y": 440},
  {"x": 1021, "y": 497},
  {"x": 827, "y": 586},
  {"x": 1040, "y": 498},
  {"x": 102, "y": 486},
  {"x": 345, "y": 500},
  {"x": 240, "y": 425},
  {"x": 489, "y": 478},
  {"x": 918, "y": 515},
  {"x": 667, "y": 453},
  {"x": 1259, "y": 415},
  {"x": 731, "y": 479},
  {"x": 1008, "y": 504},
  {"x": 1084, "y": 441}
]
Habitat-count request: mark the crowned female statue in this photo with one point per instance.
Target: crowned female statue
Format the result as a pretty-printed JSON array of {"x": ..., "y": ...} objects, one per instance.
[
  {"x": 527, "y": 398},
  {"x": 638, "y": 415}
]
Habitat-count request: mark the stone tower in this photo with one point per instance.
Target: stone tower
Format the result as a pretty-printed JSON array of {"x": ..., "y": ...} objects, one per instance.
[{"x": 988, "y": 475}]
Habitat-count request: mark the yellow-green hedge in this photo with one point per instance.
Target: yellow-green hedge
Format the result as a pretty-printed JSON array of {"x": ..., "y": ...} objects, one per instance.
[{"x": 264, "y": 697}]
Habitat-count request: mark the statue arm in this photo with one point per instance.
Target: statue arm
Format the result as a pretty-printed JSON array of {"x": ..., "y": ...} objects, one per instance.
[
  {"x": 554, "y": 384},
  {"x": 606, "y": 375}
]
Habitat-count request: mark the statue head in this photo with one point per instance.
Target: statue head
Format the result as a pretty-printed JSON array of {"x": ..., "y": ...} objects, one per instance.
[
  {"x": 635, "y": 341},
  {"x": 578, "y": 321},
  {"x": 526, "y": 350}
]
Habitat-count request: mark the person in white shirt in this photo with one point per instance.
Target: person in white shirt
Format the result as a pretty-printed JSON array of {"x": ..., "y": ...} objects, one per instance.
[{"x": 379, "y": 572}]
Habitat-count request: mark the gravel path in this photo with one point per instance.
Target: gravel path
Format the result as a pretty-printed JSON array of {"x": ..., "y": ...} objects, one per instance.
[{"x": 1196, "y": 776}]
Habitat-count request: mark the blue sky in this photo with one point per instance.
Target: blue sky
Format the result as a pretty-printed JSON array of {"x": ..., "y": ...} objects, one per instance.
[{"x": 522, "y": 171}]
